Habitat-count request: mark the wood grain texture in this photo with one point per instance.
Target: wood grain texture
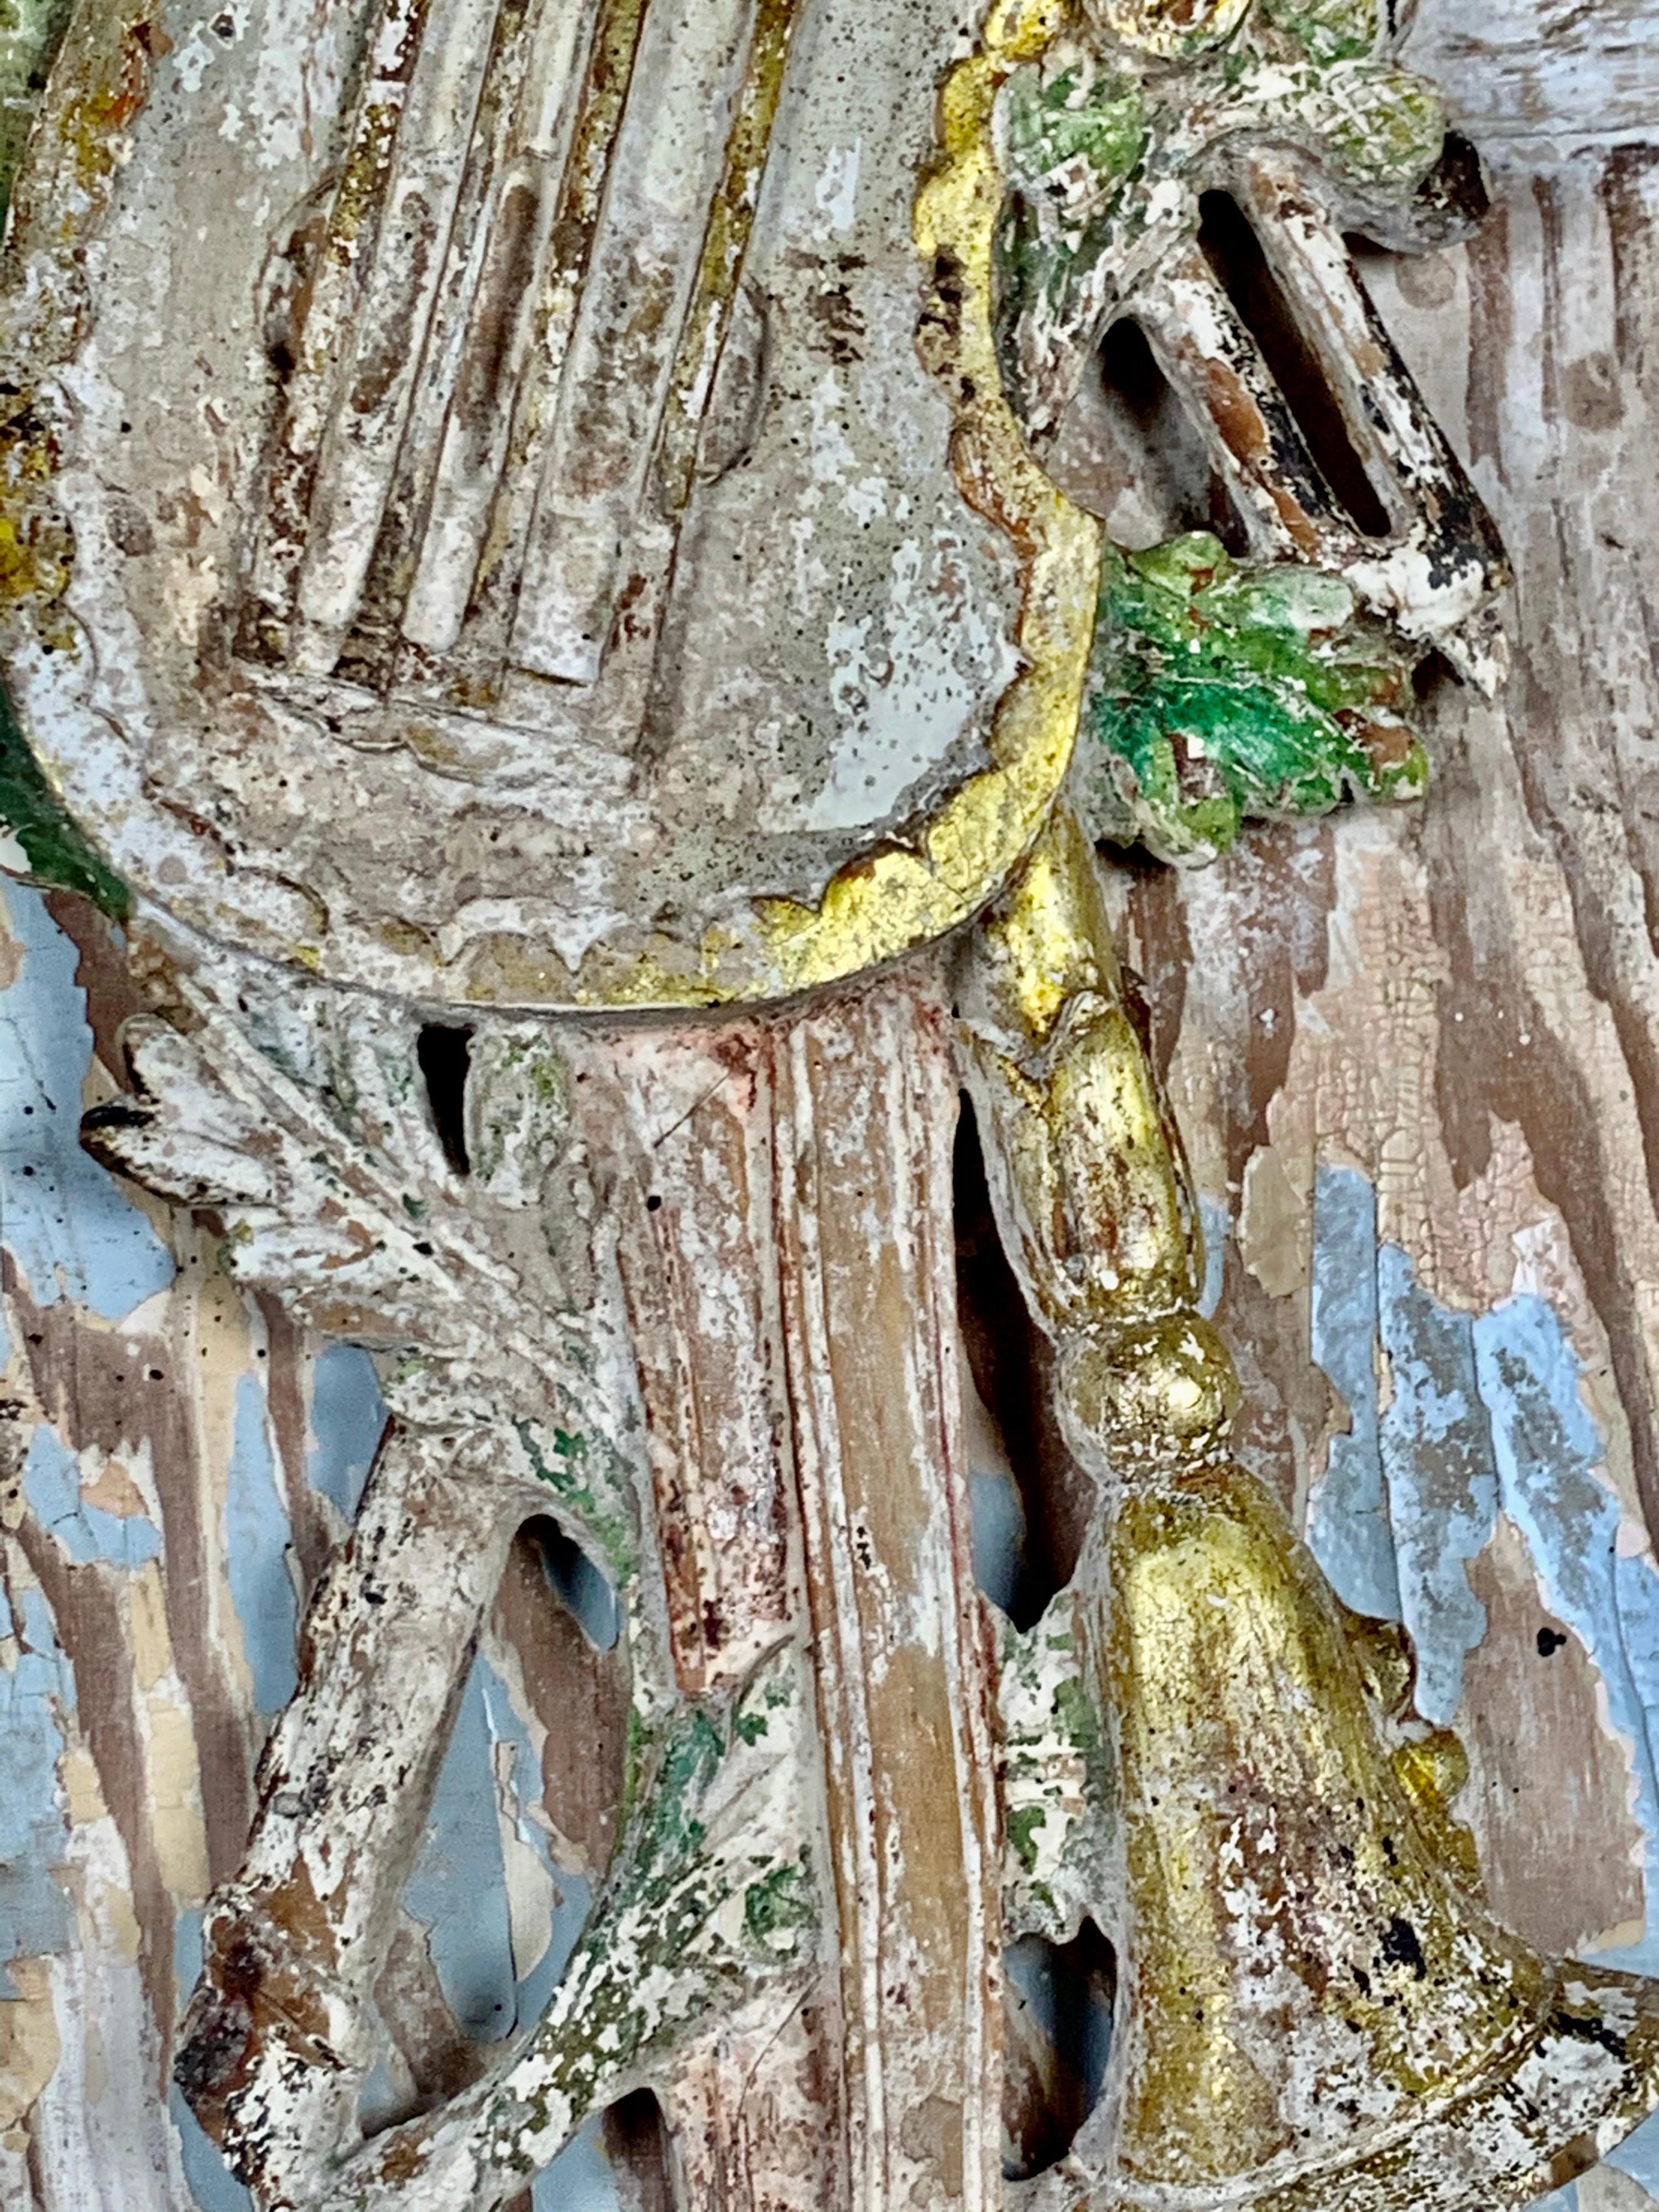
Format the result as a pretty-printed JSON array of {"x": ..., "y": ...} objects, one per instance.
[
  {"x": 1416, "y": 1059},
  {"x": 1551, "y": 72},
  {"x": 1444, "y": 1019},
  {"x": 784, "y": 1192},
  {"x": 903, "y": 1650}
]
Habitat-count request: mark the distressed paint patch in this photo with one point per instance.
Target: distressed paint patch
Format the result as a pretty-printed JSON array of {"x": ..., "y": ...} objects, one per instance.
[
  {"x": 547, "y": 1905},
  {"x": 500, "y": 1934},
  {"x": 1348, "y": 1526},
  {"x": 51, "y": 1484},
  {"x": 213, "y": 2187},
  {"x": 69, "y": 1226},
  {"x": 1437, "y": 1456},
  {"x": 31, "y": 2050},
  {"x": 348, "y": 1420},
  {"x": 1485, "y": 1415},
  {"x": 36, "y": 1688},
  {"x": 458, "y": 1888},
  {"x": 1410, "y": 1495},
  {"x": 899, "y": 704},
  {"x": 256, "y": 1535},
  {"x": 1594, "y": 1567},
  {"x": 1533, "y": 1707}
]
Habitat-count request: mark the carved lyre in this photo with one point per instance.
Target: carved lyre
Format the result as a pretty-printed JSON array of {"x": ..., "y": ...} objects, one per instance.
[{"x": 577, "y": 566}]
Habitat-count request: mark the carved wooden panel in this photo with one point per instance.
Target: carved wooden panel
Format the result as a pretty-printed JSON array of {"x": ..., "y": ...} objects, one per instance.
[{"x": 1410, "y": 1051}]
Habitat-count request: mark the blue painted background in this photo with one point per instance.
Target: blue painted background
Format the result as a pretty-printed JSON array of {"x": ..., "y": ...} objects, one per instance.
[{"x": 1485, "y": 1415}]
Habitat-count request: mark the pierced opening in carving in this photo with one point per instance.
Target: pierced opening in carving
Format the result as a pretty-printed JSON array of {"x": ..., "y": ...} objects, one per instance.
[
  {"x": 1059, "y": 1998},
  {"x": 637, "y": 2145},
  {"x": 582, "y": 1587},
  {"x": 1031, "y": 1503},
  {"x": 445, "y": 1055},
  {"x": 1234, "y": 251},
  {"x": 1432, "y": 678},
  {"x": 519, "y": 1831},
  {"x": 1127, "y": 449},
  {"x": 1452, "y": 198}
]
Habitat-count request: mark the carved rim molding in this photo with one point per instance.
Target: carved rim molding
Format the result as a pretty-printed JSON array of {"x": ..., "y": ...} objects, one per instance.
[{"x": 196, "y": 882}]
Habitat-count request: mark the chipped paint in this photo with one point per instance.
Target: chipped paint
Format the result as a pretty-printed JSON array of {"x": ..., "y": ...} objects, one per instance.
[
  {"x": 1349, "y": 1520},
  {"x": 1410, "y": 1490},
  {"x": 1486, "y": 1413},
  {"x": 1416, "y": 1430},
  {"x": 70, "y": 1229},
  {"x": 105, "y": 1511},
  {"x": 1511, "y": 1397},
  {"x": 1271, "y": 2051},
  {"x": 52, "y": 1484},
  {"x": 560, "y": 419},
  {"x": 1594, "y": 1562},
  {"x": 257, "y": 1555},
  {"x": 37, "y": 1688}
]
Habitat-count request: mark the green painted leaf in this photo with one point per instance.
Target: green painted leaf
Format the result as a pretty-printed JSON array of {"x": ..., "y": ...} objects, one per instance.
[
  {"x": 1327, "y": 30},
  {"x": 1078, "y": 115},
  {"x": 1383, "y": 127},
  {"x": 55, "y": 849},
  {"x": 1219, "y": 692},
  {"x": 1024, "y": 1822},
  {"x": 776, "y": 1907}
]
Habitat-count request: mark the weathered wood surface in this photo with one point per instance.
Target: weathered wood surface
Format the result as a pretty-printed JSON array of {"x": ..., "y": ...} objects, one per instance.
[
  {"x": 1413, "y": 1054},
  {"x": 1550, "y": 76},
  {"x": 785, "y": 1186},
  {"x": 1416, "y": 1058}
]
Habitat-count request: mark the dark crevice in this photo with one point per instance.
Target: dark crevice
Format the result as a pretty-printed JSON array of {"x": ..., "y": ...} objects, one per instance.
[
  {"x": 1452, "y": 201},
  {"x": 1160, "y": 439},
  {"x": 1234, "y": 253},
  {"x": 1433, "y": 677},
  {"x": 1060, "y": 2003},
  {"x": 580, "y": 1586},
  {"x": 1010, "y": 1363},
  {"x": 445, "y": 1055},
  {"x": 637, "y": 2145}
]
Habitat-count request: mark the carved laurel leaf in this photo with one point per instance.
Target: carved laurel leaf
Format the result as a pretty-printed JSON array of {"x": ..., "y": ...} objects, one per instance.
[{"x": 387, "y": 1249}]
